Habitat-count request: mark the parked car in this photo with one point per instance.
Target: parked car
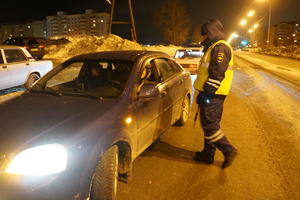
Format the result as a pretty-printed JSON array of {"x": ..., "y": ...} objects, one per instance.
[
  {"x": 189, "y": 58},
  {"x": 84, "y": 123},
  {"x": 33, "y": 45},
  {"x": 17, "y": 67}
]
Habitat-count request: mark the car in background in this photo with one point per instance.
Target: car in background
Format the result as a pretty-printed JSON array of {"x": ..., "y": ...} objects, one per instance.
[
  {"x": 189, "y": 58},
  {"x": 33, "y": 45},
  {"x": 81, "y": 126},
  {"x": 18, "y": 67}
]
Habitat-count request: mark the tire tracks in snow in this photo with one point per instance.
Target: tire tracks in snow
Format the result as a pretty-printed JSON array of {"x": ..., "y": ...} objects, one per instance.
[{"x": 266, "y": 130}]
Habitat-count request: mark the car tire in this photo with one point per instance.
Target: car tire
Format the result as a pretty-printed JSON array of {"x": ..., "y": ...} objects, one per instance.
[
  {"x": 31, "y": 80},
  {"x": 105, "y": 179},
  {"x": 185, "y": 110}
]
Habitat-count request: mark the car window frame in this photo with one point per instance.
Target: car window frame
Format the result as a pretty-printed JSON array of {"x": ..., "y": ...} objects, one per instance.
[
  {"x": 151, "y": 61},
  {"x": 2, "y": 57},
  {"x": 9, "y": 63},
  {"x": 159, "y": 73}
]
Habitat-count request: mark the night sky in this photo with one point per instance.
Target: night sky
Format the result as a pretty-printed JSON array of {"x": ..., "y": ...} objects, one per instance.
[{"x": 228, "y": 11}]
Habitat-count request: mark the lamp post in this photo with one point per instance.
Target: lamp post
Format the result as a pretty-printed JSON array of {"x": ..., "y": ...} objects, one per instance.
[
  {"x": 269, "y": 22},
  {"x": 269, "y": 19}
]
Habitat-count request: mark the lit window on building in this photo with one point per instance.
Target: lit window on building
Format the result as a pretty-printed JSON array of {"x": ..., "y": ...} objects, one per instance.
[
  {"x": 295, "y": 41},
  {"x": 94, "y": 25},
  {"x": 102, "y": 20},
  {"x": 28, "y": 26}
]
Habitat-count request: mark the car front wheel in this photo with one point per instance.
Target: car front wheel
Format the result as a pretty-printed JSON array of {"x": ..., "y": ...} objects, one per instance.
[
  {"x": 105, "y": 179},
  {"x": 31, "y": 80}
]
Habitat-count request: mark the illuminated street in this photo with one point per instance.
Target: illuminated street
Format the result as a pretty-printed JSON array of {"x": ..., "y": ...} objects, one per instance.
[{"x": 102, "y": 100}]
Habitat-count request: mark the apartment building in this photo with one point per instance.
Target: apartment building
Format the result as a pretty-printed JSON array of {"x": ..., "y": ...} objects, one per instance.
[
  {"x": 35, "y": 29},
  {"x": 89, "y": 23},
  {"x": 287, "y": 33}
]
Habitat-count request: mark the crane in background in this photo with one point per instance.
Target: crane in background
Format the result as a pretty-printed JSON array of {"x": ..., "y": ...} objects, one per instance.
[{"x": 130, "y": 22}]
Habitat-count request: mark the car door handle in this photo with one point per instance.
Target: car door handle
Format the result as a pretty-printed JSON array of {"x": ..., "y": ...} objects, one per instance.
[
  {"x": 163, "y": 93},
  {"x": 27, "y": 63},
  {"x": 4, "y": 67}
]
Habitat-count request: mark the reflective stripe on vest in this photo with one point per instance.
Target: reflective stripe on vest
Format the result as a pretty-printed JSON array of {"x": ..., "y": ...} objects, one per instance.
[{"x": 202, "y": 74}]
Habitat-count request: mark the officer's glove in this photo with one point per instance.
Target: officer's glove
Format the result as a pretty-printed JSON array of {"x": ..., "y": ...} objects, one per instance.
[{"x": 204, "y": 98}]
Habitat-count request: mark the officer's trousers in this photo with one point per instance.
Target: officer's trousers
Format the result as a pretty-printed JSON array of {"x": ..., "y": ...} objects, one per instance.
[{"x": 211, "y": 110}]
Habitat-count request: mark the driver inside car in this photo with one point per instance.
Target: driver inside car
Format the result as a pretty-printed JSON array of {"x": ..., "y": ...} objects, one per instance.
[{"x": 95, "y": 77}]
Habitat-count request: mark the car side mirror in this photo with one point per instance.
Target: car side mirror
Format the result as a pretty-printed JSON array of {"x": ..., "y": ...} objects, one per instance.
[{"x": 148, "y": 91}]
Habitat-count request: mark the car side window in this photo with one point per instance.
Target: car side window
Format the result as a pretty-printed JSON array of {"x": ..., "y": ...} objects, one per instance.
[
  {"x": 166, "y": 69},
  {"x": 14, "y": 55},
  {"x": 149, "y": 73},
  {"x": 176, "y": 67}
]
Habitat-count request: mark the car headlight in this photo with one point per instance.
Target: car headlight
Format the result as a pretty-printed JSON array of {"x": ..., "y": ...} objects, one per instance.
[{"x": 39, "y": 161}]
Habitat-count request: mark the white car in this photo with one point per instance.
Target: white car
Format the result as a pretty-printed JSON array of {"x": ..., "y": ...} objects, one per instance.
[
  {"x": 189, "y": 58},
  {"x": 18, "y": 67}
]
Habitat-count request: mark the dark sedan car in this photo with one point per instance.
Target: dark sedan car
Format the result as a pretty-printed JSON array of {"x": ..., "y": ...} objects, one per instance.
[
  {"x": 82, "y": 125},
  {"x": 35, "y": 48}
]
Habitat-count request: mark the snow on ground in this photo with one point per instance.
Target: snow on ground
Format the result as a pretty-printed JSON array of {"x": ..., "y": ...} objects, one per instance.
[
  {"x": 291, "y": 51},
  {"x": 90, "y": 44},
  {"x": 284, "y": 67}
]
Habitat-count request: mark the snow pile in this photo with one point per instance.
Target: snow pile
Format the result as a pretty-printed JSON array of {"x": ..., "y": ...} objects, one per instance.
[
  {"x": 291, "y": 51},
  {"x": 170, "y": 50},
  {"x": 88, "y": 44}
]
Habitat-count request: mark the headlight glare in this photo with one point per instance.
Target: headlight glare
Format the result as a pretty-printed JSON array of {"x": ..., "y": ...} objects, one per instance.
[{"x": 39, "y": 161}]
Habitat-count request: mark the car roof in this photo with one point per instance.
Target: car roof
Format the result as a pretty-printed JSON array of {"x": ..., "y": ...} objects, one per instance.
[
  {"x": 190, "y": 48},
  {"x": 129, "y": 55}
]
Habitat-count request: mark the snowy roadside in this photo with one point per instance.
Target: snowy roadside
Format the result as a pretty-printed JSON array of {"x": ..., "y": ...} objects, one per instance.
[
  {"x": 287, "y": 69},
  {"x": 90, "y": 44}
]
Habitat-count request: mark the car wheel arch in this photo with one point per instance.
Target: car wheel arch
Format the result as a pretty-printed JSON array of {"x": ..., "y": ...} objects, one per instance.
[{"x": 125, "y": 156}]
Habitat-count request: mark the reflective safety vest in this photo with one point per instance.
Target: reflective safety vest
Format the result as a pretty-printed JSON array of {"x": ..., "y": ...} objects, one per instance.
[{"x": 202, "y": 74}]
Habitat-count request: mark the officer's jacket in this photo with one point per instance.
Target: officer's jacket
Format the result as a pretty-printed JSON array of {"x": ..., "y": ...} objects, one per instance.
[{"x": 214, "y": 73}]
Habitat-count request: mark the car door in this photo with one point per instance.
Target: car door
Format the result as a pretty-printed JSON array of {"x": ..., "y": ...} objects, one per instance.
[
  {"x": 4, "y": 78},
  {"x": 17, "y": 65},
  {"x": 170, "y": 78},
  {"x": 148, "y": 110}
]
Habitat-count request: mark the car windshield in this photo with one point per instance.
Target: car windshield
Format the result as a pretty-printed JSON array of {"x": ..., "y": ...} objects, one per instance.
[
  {"x": 96, "y": 79},
  {"x": 188, "y": 53}
]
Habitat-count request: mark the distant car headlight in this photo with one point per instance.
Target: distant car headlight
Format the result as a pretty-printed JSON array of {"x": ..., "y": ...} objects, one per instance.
[{"x": 39, "y": 161}]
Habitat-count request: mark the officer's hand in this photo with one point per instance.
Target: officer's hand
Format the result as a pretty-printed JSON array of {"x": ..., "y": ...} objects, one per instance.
[{"x": 198, "y": 99}]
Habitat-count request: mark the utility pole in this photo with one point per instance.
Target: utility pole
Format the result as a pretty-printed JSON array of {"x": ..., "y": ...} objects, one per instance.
[{"x": 131, "y": 22}]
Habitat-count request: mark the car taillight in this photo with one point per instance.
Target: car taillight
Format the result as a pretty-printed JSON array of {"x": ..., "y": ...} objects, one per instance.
[
  {"x": 41, "y": 46},
  {"x": 26, "y": 47}
]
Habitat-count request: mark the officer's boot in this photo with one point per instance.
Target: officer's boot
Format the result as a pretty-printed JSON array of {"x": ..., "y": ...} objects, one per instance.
[
  {"x": 228, "y": 151},
  {"x": 206, "y": 156}
]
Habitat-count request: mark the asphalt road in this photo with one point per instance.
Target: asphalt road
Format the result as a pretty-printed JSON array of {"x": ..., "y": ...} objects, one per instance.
[{"x": 267, "y": 166}]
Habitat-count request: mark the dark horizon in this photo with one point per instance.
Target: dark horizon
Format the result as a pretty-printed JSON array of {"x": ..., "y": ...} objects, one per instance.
[{"x": 228, "y": 13}]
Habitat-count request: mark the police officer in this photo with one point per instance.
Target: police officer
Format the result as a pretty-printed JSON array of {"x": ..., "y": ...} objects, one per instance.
[{"x": 213, "y": 83}]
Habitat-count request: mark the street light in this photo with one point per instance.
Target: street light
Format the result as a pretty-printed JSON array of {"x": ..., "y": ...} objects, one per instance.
[
  {"x": 255, "y": 26},
  {"x": 250, "y": 31},
  {"x": 243, "y": 22},
  {"x": 269, "y": 21},
  {"x": 251, "y": 13}
]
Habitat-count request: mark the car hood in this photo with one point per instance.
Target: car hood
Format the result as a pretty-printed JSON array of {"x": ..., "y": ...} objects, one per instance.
[{"x": 36, "y": 117}]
